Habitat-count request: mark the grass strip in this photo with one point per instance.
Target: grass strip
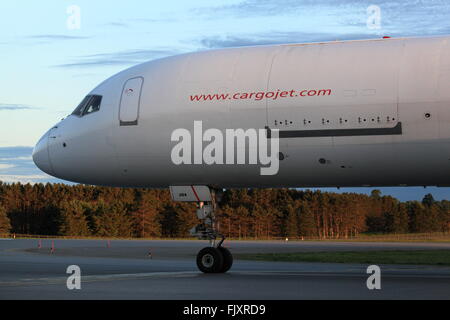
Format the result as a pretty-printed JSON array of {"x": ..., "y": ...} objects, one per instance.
[{"x": 416, "y": 257}]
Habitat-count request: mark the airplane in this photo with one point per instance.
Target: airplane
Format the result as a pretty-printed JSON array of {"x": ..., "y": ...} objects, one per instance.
[{"x": 333, "y": 114}]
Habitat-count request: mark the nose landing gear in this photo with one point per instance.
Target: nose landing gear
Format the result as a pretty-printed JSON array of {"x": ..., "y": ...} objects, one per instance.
[{"x": 215, "y": 258}]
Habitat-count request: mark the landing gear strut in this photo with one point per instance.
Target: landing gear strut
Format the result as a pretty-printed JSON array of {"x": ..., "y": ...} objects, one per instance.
[{"x": 215, "y": 258}]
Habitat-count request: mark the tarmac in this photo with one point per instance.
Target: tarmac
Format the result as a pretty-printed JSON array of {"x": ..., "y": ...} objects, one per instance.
[{"x": 166, "y": 270}]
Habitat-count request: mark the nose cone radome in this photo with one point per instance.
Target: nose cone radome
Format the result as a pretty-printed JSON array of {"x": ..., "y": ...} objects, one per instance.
[{"x": 41, "y": 156}]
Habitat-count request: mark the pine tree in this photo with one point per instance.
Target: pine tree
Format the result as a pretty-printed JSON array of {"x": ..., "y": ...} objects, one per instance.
[
  {"x": 146, "y": 219},
  {"x": 113, "y": 220},
  {"x": 306, "y": 225},
  {"x": 428, "y": 200},
  {"x": 375, "y": 194},
  {"x": 291, "y": 222},
  {"x": 396, "y": 221},
  {"x": 73, "y": 217},
  {"x": 5, "y": 225}
]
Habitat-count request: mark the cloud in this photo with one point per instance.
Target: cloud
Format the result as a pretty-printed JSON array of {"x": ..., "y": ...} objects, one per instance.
[
  {"x": 130, "y": 57},
  {"x": 271, "y": 38},
  {"x": 258, "y": 8},
  {"x": 16, "y": 165},
  {"x": 398, "y": 17},
  {"x": 4, "y": 106},
  {"x": 27, "y": 158},
  {"x": 117, "y": 24},
  {"x": 17, "y": 160},
  {"x": 280, "y": 7},
  {"x": 6, "y": 166},
  {"x": 147, "y": 20},
  {"x": 56, "y": 37},
  {"x": 9, "y": 178},
  {"x": 44, "y": 39},
  {"x": 12, "y": 152}
]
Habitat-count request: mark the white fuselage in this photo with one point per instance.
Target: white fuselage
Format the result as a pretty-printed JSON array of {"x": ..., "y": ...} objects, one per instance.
[{"x": 354, "y": 113}]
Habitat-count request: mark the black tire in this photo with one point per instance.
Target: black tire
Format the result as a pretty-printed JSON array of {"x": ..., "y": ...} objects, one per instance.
[
  {"x": 227, "y": 259},
  {"x": 210, "y": 260}
]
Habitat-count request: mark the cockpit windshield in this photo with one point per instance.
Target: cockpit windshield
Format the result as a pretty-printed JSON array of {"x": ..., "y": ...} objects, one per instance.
[{"x": 90, "y": 104}]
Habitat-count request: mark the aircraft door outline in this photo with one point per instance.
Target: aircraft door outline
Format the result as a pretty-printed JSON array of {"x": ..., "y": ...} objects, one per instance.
[{"x": 130, "y": 101}]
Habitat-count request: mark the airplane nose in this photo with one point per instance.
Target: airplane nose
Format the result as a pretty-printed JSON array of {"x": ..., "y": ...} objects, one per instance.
[{"x": 41, "y": 155}]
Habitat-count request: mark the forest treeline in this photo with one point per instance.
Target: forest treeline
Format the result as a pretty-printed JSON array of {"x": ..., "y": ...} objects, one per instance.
[{"x": 79, "y": 210}]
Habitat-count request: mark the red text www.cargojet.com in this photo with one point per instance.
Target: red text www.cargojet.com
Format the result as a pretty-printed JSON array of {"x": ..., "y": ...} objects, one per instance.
[{"x": 260, "y": 95}]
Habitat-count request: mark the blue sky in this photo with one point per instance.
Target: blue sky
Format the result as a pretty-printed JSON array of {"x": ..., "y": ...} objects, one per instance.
[{"x": 47, "y": 68}]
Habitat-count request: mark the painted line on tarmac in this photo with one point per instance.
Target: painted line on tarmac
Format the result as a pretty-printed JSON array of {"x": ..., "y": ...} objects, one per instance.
[
  {"x": 191, "y": 274},
  {"x": 107, "y": 277}
]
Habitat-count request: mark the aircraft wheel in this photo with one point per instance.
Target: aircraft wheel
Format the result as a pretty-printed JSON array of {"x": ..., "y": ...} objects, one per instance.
[
  {"x": 227, "y": 259},
  {"x": 210, "y": 260}
]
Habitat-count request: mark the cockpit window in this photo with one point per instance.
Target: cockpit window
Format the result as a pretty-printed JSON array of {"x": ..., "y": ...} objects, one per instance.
[
  {"x": 90, "y": 104},
  {"x": 93, "y": 105},
  {"x": 79, "y": 110}
]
